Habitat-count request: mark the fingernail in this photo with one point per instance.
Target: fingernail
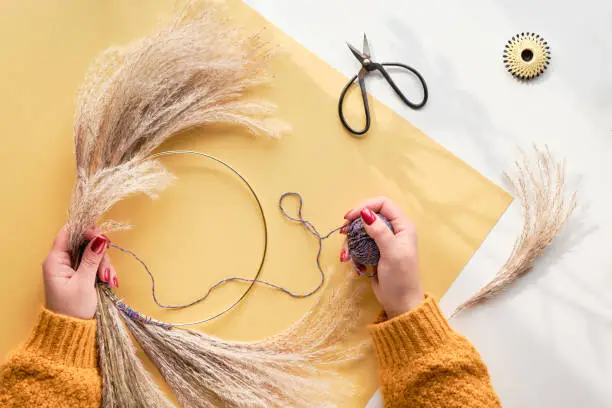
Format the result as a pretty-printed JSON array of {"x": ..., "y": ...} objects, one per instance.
[
  {"x": 98, "y": 244},
  {"x": 106, "y": 276},
  {"x": 343, "y": 255},
  {"x": 368, "y": 216},
  {"x": 115, "y": 282},
  {"x": 346, "y": 215}
]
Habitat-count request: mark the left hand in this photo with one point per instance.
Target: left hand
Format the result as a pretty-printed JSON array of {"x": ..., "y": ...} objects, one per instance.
[{"x": 72, "y": 292}]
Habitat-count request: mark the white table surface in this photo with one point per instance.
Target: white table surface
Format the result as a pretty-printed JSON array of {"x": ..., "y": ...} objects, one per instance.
[{"x": 548, "y": 341}]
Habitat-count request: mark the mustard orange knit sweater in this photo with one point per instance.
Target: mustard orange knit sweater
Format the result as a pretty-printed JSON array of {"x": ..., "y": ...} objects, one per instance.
[{"x": 423, "y": 363}]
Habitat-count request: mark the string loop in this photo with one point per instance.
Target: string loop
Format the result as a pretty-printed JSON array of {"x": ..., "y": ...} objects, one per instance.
[{"x": 300, "y": 218}]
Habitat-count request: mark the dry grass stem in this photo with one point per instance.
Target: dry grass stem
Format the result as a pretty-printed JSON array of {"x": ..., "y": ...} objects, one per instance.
[
  {"x": 294, "y": 368},
  {"x": 540, "y": 187},
  {"x": 134, "y": 387}
]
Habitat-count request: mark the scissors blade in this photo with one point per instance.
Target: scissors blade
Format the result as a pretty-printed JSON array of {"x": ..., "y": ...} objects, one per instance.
[
  {"x": 366, "y": 47},
  {"x": 358, "y": 54}
]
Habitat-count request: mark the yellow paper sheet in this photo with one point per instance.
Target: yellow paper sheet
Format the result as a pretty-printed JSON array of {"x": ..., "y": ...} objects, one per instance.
[{"x": 206, "y": 227}]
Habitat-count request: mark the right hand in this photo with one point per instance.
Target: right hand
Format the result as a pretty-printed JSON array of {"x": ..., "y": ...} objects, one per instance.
[{"x": 397, "y": 284}]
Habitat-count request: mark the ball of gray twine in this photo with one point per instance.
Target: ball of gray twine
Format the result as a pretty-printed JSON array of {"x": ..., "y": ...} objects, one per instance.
[{"x": 362, "y": 249}]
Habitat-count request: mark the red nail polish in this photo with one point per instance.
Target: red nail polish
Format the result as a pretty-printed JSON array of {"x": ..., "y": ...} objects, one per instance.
[
  {"x": 343, "y": 255},
  {"x": 106, "y": 276},
  {"x": 115, "y": 282},
  {"x": 346, "y": 215},
  {"x": 98, "y": 245},
  {"x": 368, "y": 216}
]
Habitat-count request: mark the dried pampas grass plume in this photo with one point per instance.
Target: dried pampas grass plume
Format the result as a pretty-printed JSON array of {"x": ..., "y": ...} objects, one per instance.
[
  {"x": 540, "y": 187},
  {"x": 292, "y": 369},
  {"x": 134, "y": 387},
  {"x": 191, "y": 73}
]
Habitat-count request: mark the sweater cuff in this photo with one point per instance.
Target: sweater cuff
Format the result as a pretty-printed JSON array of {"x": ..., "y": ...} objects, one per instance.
[
  {"x": 64, "y": 340},
  {"x": 410, "y": 335}
]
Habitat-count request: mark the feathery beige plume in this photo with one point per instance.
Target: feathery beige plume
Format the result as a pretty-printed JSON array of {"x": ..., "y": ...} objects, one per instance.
[
  {"x": 134, "y": 387},
  {"x": 292, "y": 369},
  {"x": 540, "y": 187},
  {"x": 191, "y": 73}
]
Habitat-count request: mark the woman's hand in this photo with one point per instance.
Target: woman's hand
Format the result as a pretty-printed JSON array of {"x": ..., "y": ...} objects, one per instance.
[
  {"x": 397, "y": 284},
  {"x": 72, "y": 292}
]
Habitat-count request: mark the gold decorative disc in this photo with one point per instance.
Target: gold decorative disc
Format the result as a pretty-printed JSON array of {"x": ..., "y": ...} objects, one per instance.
[{"x": 526, "y": 55}]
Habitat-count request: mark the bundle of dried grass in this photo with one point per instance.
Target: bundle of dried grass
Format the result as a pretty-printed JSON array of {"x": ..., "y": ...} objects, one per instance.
[
  {"x": 135, "y": 387},
  {"x": 294, "y": 368},
  {"x": 192, "y": 73},
  {"x": 540, "y": 187}
]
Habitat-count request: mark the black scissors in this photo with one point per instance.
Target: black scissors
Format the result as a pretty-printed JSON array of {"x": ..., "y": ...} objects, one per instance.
[{"x": 367, "y": 66}]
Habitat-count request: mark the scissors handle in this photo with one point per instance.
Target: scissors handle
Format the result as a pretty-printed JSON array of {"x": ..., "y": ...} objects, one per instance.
[
  {"x": 399, "y": 93},
  {"x": 366, "y": 107}
]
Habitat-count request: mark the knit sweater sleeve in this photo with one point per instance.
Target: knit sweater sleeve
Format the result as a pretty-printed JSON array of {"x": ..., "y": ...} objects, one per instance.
[
  {"x": 424, "y": 363},
  {"x": 56, "y": 367}
]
